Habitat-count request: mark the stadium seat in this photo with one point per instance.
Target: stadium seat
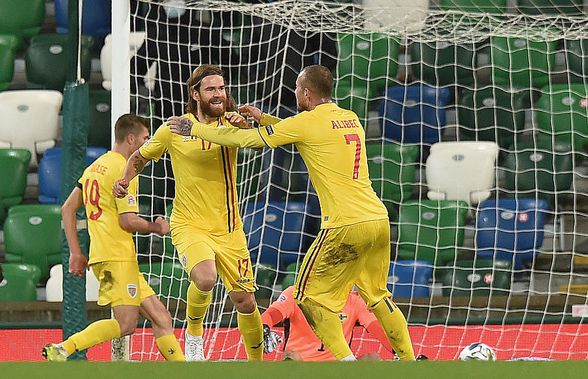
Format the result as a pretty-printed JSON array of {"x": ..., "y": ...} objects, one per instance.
[
  {"x": 492, "y": 114},
  {"x": 480, "y": 277},
  {"x": 46, "y": 61},
  {"x": 50, "y": 172},
  {"x": 14, "y": 164},
  {"x": 353, "y": 97},
  {"x": 561, "y": 114},
  {"x": 249, "y": 170},
  {"x": 369, "y": 60},
  {"x": 23, "y": 19},
  {"x": 32, "y": 235},
  {"x": 29, "y": 119},
  {"x": 518, "y": 62},
  {"x": 431, "y": 230},
  {"x": 414, "y": 114},
  {"x": 392, "y": 168},
  {"x": 20, "y": 282},
  {"x": 474, "y": 6},
  {"x": 265, "y": 278},
  {"x": 461, "y": 171},
  {"x": 541, "y": 169},
  {"x": 577, "y": 58},
  {"x": 551, "y": 7},
  {"x": 8, "y": 44},
  {"x": 442, "y": 63},
  {"x": 283, "y": 226},
  {"x": 510, "y": 229},
  {"x": 168, "y": 279},
  {"x": 96, "y": 18},
  {"x": 54, "y": 286},
  {"x": 410, "y": 279},
  {"x": 135, "y": 41},
  {"x": 100, "y": 127}
]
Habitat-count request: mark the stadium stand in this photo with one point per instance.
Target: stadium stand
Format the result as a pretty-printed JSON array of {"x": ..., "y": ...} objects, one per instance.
[
  {"x": 410, "y": 279},
  {"x": 441, "y": 63},
  {"x": 14, "y": 165},
  {"x": 480, "y": 277},
  {"x": 30, "y": 120},
  {"x": 20, "y": 282},
  {"x": 100, "y": 128},
  {"x": 54, "y": 287},
  {"x": 166, "y": 278},
  {"x": 8, "y": 45},
  {"x": 483, "y": 6},
  {"x": 461, "y": 171},
  {"x": 21, "y": 19},
  {"x": 551, "y": 7},
  {"x": 96, "y": 18}
]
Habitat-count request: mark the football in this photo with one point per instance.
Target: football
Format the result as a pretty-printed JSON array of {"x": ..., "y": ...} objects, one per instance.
[{"x": 477, "y": 352}]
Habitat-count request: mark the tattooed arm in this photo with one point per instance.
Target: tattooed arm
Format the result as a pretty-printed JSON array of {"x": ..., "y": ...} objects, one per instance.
[{"x": 134, "y": 167}]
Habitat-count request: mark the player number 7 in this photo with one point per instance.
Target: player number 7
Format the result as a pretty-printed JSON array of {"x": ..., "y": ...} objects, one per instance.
[{"x": 355, "y": 138}]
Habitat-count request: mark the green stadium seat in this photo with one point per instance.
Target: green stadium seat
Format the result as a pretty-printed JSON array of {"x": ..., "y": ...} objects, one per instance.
[
  {"x": 20, "y": 282},
  {"x": 561, "y": 114},
  {"x": 492, "y": 113},
  {"x": 23, "y": 19},
  {"x": 168, "y": 279},
  {"x": 288, "y": 281},
  {"x": 156, "y": 185},
  {"x": 14, "y": 164},
  {"x": 353, "y": 97},
  {"x": 577, "y": 58},
  {"x": 431, "y": 230},
  {"x": 539, "y": 169},
  {"x": 100, "y": 119},
  {"x": 474, "y": 6},
  {"x": 481, "y": 277},
  {"x": 46, "y": 61},
  {"x": 32, "y": 235},
  {"x": 517, "y": 62},
  {"x": 392, "y": 168},
  {"x": 551, "y": 7},
  {"x": 265, "y": 278},
  {"x": 368, "y": 60},
  {"x": 8, "y": 45},
  {"x": 441, "y": 63}
]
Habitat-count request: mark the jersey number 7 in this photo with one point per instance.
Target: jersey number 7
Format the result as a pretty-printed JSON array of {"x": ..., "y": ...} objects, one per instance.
[{"x": 355, "y": 138}]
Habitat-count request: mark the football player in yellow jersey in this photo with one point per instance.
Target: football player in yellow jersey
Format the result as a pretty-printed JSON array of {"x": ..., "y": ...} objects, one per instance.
[
  {"x": 205, "y": 224},
  {"x": 112, "y": 250},
  {"x": 353, "y": 246}
]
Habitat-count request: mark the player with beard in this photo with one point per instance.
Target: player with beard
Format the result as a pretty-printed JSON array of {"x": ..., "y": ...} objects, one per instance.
[{"x": 206, "y": 228}]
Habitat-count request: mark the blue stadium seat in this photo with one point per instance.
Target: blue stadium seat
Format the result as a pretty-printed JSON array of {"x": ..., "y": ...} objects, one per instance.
[
  {"x": 510, "y": 229},
  {"x": 281, "y": 236},
  {"x": 415, "y": 113},
  {"x": 409, "y": 279},
  {"x": 50, "y": 172},
  {"x": 96, "y": 18}
]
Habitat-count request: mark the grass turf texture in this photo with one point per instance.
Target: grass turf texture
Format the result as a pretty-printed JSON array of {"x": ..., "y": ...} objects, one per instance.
[{"x": 306, "y": 370}]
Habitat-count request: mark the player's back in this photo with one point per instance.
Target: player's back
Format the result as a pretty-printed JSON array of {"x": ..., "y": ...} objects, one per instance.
[
  {"x": 108, "y": 240},
  {"x": 333, "y": 148}
]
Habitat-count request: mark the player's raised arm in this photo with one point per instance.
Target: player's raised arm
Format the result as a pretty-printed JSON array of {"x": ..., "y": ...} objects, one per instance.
[
  {"x": 134, "y": 167},
  {"x": 77, "y": 260}
]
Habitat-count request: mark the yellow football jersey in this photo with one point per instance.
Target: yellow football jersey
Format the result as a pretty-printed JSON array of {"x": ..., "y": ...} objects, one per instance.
[
  {"x": 205, "y": 176},
  {"x": 108, "y": 241},
  {"x": 331, "y": 141}
]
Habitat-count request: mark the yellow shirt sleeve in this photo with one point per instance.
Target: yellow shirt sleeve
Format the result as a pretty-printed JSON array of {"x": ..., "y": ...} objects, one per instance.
[
  {"x": 287, "y": 131},
  {"x": 129, "y": 203},
  {"x": 267, "y": 119},
  {"x": 157, "y": 145},
  {"x": 229, "y": 136}
]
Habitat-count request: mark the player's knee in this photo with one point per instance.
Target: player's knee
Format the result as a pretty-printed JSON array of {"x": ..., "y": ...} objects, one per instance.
[
  {"x": 244, "y": 302},
  {"x": 205, "y": 283},
  {"x": 127, "y": 327}
]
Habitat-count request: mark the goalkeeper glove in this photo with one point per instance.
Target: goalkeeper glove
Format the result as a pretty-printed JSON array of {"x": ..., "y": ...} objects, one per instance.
[{"x": 271, "y": 340}]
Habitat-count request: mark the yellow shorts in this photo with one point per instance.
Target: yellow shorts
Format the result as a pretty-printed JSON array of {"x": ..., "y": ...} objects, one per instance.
[
  {"x": 339, "y": 258},
  {"x": 229, "y": 251},
  {"x": 121, "y": 283}
]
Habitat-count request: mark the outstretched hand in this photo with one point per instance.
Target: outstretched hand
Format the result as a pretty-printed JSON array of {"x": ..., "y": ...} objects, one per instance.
[
  {"x": 78, "y": 264},
  {"x": 163, "y": 225},
  {"x": 120, "y": 188},
  {"x": 237, "y": 120},
  {"x": 180, "y": 125},
  {"x": 250, "y": 111}
]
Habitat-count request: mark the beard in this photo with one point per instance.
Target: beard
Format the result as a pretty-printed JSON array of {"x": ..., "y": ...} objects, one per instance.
[{"x": 214, "y": 111}]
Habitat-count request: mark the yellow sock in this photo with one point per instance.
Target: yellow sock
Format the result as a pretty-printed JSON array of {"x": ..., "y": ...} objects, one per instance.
[
  {"x": 395, "y": 327},
  {"x": 170, "y": 348},
  {"x": 198, "y": 302},
  {"x": 95, "y": 333},
  {"x": 327, "y": 327},
  {"x": 252, "y": 331}
]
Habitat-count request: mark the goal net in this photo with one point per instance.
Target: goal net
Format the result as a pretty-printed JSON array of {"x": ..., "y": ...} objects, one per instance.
[{"x": 477, "y": 128}]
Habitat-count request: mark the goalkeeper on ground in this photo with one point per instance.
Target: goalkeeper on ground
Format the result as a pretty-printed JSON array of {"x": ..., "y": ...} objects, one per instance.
[{"x": 300, "y": 342}]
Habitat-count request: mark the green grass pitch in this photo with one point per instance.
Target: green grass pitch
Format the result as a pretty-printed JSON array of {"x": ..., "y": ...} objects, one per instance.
[{"x": 304, "y": 370}]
